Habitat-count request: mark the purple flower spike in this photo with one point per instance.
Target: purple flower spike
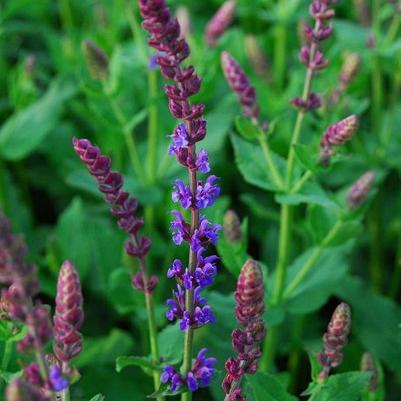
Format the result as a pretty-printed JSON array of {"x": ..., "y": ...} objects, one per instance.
[
  {"x": 166, "y": 37},
  {"x": 220, "y": 22},
  {"x": 199, "y": 376},
  {"x": 69, "y": 314},
  {"x": 123, "y": 205},
  {"x": 249, "y": 313},
  {"x": 240, "y": 84}
]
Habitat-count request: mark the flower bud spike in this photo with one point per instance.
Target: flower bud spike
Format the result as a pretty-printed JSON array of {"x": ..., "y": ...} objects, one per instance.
[
  {"x": 334, "y": 340},
  {"x": 232, "y": 226},
  {"x": 368, "y": 365},
  {"x": 97, "y": 60},
  {"x": 360, "y": 190}
]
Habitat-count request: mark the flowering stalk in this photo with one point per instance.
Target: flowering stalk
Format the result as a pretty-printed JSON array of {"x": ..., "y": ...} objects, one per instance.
[
  {"x": 123, "y": 209},
  {"x": 220, "y": 22},
  {"x": 249, "y": 313},
  {"x": 186, "y": 305},
  {"x": 335, "y": 339},
  {"x": 312, "y": 57},
  {"x": 246, "y": 93},
  {"x": 232, "y": 227},
  {"x": 23, "y": 286}
]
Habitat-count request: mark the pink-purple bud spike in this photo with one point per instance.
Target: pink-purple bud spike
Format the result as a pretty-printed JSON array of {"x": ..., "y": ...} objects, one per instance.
[
  {"x": 232, "y": 227},
  {"x": 369, "y": 365},
  {"x": 335, "y": 339},
  {"x": 360, "y": 190},
  {"x": 69, "y": 314},
  {"x": 337, "y": 134},
  {"x": 220, "y": 22},
  {"x": 240, "y": 84},
  {"x": 96, "y": 59},
  {"x": 249, "y": 313}
]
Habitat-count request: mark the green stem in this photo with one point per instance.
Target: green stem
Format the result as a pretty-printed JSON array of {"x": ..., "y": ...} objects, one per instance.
[
  {"x": 300, "y": 183},
  {"x": 312, "y": 259},
  {"x": 8, "y": 348},
  {"x": 152, "y": 126},
  {"x": 393, "y": 29},
  {"x": 154, "y": 346},
  {"x": 128, "y": 136},
  {"x": 136, "y": 31},
  {"x": 286, "y": 219},
  {"x": 270, "y": 162},
  {"x": 375, "y": 260},
  {"x": 66, "y": 14},
  {"x": 280, "y": 44},
  {"x": 3, "y": 191},
  {"x": 396, "y": 279}
]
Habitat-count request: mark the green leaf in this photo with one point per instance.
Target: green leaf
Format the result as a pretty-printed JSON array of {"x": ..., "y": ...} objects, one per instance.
[
  {"x": 348, "y": 230},
  {"x": 311, "y": 193},
  {"x": 170, "y": 344},
  {"x": 104, "y": 350},
  {"x": 341, "y": 387},
  {"x": 72, "y": 236},
  {"x": 143, "y": 362},
  {"x": 8, "y": 377},
  {"x": 122, "y": 295},
  {"x": 233, "y": 255},
  {"x": 305, "y": 157},
  {"x": 8, "y": 331},
  {"x": 98, "y": 397},
  {"x": 23, "y": 132},
  {"x": 369, "y": 310},
  {"x": 326, "y": 275},
  {"x": 252, "y": 165},
  {"x": 266, "y": 387},
  {"x": 247, "y": 129}
]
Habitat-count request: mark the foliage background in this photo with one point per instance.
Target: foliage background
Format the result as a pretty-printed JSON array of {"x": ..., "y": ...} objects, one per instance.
[{"x": 47, "y": 96}]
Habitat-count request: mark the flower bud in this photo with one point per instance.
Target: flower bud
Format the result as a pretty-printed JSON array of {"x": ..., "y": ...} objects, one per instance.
[
  {"x": 220, "y": 22},
  {"x": 239, "y": 83},
  {"x": 360, "y": 190},
  {"x": 20, "y": 390},
  {"x": 368, "y": 365},
  {"x": 69, "y": 314},
  {"x": 337, "y": 134},
  {"x": 256, "y": 56},
  {"x": 363, "y": 12},
  {"x": 232, "y": 226},
  {"x": 350, "y": 68},
  {"x": 335, "y": 339},
  {"x": 96, "y": 59}
]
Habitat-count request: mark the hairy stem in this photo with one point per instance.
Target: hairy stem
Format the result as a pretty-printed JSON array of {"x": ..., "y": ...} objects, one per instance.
[
  {"x": 189, "y": 294},
  {"x": 270, "y": 162}
]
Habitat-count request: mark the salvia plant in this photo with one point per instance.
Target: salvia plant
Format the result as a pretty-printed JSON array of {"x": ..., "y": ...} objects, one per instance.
[{"x": 209, "y": 196}]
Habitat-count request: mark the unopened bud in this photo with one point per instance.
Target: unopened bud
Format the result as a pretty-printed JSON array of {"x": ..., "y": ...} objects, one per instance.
[
  {"x": 256, "y": 56},
  {"x": 232, "y": 226},
  {"x": 96, "y": 59},
  {"x": 335, "y": 339},
  {"x": 337, "y": 134},
  {"x": 369, "y": 365},
  {"x": 350, "y": 68},
  {"x": 363, "y": 13},
  {"x": 360, "y": 190},
  {"x": 220, "y": 22}
]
